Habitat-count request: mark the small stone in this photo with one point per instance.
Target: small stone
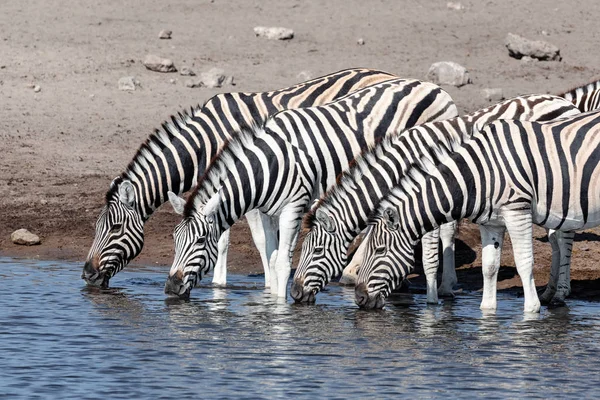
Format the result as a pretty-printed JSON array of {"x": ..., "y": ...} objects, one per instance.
[
  {"x": 274, "y": 32},
  {"x": 165, "y": 34},
  {"x": 304, "y": 76},
  {"x": 493, "y": 94},
  {"x": 545, "y": 33},
  {"x": 448, "y": 73},
  {"x": 159, "y": 64},
  {"x": 518, "y": 47},
  {"x": 186, "y": 71},
  {"x": 30, "y": 85},
  {"x": 172, "y": 81},
  {"x": 214, "y": 78},
  {"x": 24, "y": 237},
  {"x": 128, "y": 83},
  {"x": 584, "y": 248},
  {"x": 360, "y": 41},
  {"x": 455, "y": 6},
  {"x": 37, "y": 88},
  {"x": 43, "y": 202}
]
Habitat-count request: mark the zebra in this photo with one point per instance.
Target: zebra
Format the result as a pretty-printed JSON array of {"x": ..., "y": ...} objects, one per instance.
[
  {"x": 586, "y": 97},
  {"x": 284, "y": 165},
  {"x": 342, "y": 213},
  {"x": 507, "y": 177},
  {"x": 173, "y": 157}
]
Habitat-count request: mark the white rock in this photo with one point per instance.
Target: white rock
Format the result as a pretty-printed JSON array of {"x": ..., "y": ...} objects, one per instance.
[
  {"x": 23, "y": 236},
  {"x": 165, "y": 34},
  {"x": 360, "y": 41},
  {"x": 493, "y": 94},
  {"x": 37, "y": 88},
  {"x": 274, "y": 32},
  {"x": 214, "y": 78},
  {"x": 172, "y": 81},
  {"x": 43, "y": 202},
  {"x": 519, "y": 47},
  {"x": 304, "y": 76},
  {"x": 186, "y": 71},
  {"x": 159, "y": 64},
  {"x": 128, "y": 83},
  {"x": 448, "y": 73},
  {"x": 455, "y": 6}
]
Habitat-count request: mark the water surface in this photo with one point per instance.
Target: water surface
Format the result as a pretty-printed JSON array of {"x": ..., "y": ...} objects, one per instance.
[{"x": 60, "y": 339}]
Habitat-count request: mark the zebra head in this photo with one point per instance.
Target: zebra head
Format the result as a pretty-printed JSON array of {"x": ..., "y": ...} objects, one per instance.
[
  {"x": 119, "y": 235},
  {"x": 389, "y": 255},
  {"x": 196, "y": 245},
  {"x": 323, "y": 256}
]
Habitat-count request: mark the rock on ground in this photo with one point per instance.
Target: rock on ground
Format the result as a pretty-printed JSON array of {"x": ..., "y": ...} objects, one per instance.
[
  {"x": 24, "y": 237},
  {"x": 128, "y": 83},
  {"x": 274, "y": 32},
  {"x": 165, "y": 34},
  {"x": 214, "y": 78},
  {"x": 519, "y": 47},
  {"x": 304, "y": 76},
  {"x": 455, "y": 6},
  {"x": 448, "y": 73},
  {"x": 186, "y": 71},
  {"x": 360, "y": 41},
  {"x": 493, "y": 94},
  {"x": 159, "y": 64}
]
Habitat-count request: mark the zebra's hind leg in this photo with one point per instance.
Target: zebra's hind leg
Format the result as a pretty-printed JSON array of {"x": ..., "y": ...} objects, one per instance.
[
  {"x": 492, "y": 238},
  {"x": 520, "y": 228},
  {"x": 429, "y": 242},
  {"x": 449, "y": 279},
  {"x": 559, "y": 284},
  {"x": 220, "y": 271},
  {"x": 264, "y": 235}
]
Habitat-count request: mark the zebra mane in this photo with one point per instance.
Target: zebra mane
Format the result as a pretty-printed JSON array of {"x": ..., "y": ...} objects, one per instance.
[
  {"x": 593, "y": 85},
  {"x": 414, "y": 175},
  {"x": 218, "y": 167}
]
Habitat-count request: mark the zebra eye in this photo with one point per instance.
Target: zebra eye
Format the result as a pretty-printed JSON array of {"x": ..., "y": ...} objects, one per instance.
[
  {"x": 116, "y": 228},
  {"x": 201, "y": 240},
  {"x": 380, "y": 250},
  {"x": 318, "y": 251}
]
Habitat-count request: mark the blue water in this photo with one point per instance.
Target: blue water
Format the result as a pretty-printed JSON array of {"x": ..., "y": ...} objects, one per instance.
[{"x": 59, "y": 339}]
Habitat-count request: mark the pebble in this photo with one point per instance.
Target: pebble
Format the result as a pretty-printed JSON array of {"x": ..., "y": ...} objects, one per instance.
[
  {"x": 360, "y": 41},
  {"x": 304, "y": 76},
  {"x": 518, "y": 47},
  {"x": 448, "y": 73},
  {"x": 455, "y": 6},
  {"x": 274, "y": 32},
  {"x": 214, "y": 78},
  {"x": 165, "y": 34},
  {"x": 159, "y": 64},
  {"x": 24, "y": 237},
  {"x": 37, "y": 89},
  {"x": 186, "y": 71},
  {"x": 128, "y": 83},
  {"x": 493, "y": 94}
]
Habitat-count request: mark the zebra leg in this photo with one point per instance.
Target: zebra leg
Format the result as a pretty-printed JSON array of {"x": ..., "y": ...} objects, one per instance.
[
  {"x": 449, "y": 280},
  {"x": 429, "y": 242},
  {"x": 281, "y": 267},
  {"x": 492, "y": 238},
  {"x": 520, "y": 228},
  {"x": 554, "y": 270},
  {"x": 220, "y": 271},
  {"x": 565, "y": 244},
  {"x": 264, "y": 236}
]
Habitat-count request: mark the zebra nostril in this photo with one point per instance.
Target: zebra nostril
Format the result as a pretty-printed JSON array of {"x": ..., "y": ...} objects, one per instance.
[{"x": 361, "y": 295}]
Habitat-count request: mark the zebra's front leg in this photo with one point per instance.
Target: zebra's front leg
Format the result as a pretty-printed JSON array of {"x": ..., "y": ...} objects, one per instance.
[
  {"x": 220, "y": 271},
  {"x": 429, "y": 243},
  {"x": 520, "y": 228},
  {"x": 561, "y": 277},
  {"x": 492, "y": 238},
  {"x": 289, "y": 226},
  {"x": 449, "y": 279},
  {"x": 264, "y": 235}
]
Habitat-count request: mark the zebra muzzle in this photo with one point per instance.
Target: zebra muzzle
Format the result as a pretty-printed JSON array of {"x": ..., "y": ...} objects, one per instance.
[
  {"x": 174, "y": 287},
  {"x": 300, "y": 294}
]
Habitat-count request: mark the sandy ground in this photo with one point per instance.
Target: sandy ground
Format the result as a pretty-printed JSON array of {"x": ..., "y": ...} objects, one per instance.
[{"x": 62, "y": 146}]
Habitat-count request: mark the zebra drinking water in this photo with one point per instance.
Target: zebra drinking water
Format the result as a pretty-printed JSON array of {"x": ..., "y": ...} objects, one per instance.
[
  {"x": 280, "y": 168},
  {"x": 505, "y": 178},
  {"x": 342, "y": 213},
  {"x": 175, "y": 156}
]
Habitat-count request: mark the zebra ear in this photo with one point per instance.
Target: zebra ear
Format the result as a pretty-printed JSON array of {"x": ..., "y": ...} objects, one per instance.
[
  {"x": 177, "y": 202},
  {"x": 391, "y": 218},
  {"x": 326, "y": 220},
  {"x": 127, "y": 193},
  {"x": 212, "y": 204}
]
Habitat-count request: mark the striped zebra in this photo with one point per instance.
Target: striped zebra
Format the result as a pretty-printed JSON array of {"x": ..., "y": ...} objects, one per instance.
[
  {"x": 342, "y": 213},
  {"x": 586, "y": 97},
  {"x": 173, "y": 158},
  {"x": 281, "y": 168},
  {"x": 509, "y": 176}
]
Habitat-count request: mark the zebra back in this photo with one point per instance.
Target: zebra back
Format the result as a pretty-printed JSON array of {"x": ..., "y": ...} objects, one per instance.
[{"x": 586, "y": 97}]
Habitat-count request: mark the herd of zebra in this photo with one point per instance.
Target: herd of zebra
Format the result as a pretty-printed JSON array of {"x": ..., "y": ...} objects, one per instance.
[{"x": 360, "y": 152}]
